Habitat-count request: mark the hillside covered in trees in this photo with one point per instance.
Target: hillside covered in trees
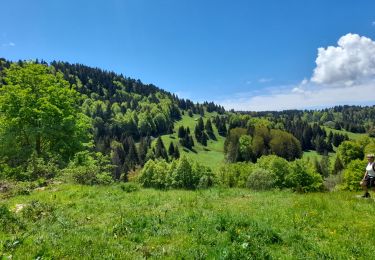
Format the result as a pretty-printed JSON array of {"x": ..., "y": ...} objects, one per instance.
[
  {"x": 119, "y": 111},
  {"x": 70, "y": 116}
]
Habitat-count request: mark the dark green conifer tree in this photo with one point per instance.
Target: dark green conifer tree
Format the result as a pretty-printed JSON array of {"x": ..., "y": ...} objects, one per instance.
[
  {"x": 176, "y": 152},
  {"x": 171, "y": 149},
  {"x": 160, "y": 151}
]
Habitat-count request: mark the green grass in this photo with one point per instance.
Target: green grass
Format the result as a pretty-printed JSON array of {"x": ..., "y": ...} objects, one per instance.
[
  {"x": 352, "y": 136},
  {"x": 212, "y": 155},
  {"x": 81, "y": 222},
  {"x": 312, "y": 154}
]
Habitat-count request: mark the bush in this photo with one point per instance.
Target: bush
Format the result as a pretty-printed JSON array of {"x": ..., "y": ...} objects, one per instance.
[
  {"x": 129, "y": 187},
  {"x": 38, "y": 167},
  {"x": 261, "y": 179},
  {"x": 15, "y": 173},
  {"x": 35, "y": 168},
  {"x": 8, "y": 221},
  {"x": 235, "y": 174},
  {"x": 154, "y": 174},
  {"x": 37, "y": 210},
  {"x": 349, "y": 151},
  {"x": 89, "y": 169},
  {"x": 206, "y": 176},
  {"x": 303, "y": 178},
  {"x": 333, "y": 182},
  {"x": 180, "y": 174},
  {"x": 279, "y": 166},
  {"x": 353, "y": 174}
]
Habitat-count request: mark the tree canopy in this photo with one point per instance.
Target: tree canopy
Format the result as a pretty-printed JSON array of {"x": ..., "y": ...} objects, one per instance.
[{"x": 39, "y": 113}]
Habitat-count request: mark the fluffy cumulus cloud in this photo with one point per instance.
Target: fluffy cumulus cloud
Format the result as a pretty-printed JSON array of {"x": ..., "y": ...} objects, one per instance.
[
  {"x": 351, "y": 62},
  {"x": 344, "y": 74}
]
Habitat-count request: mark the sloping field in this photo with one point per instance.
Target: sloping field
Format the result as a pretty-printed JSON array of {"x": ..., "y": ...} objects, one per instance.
[{"x": 81, "y": 222}]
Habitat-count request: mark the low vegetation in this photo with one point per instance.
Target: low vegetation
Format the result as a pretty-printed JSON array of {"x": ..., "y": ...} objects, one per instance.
[{"x": 76, "y": 222}]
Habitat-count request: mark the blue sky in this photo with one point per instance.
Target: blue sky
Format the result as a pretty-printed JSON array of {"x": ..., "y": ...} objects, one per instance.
[{"x": 241, "y": 54}]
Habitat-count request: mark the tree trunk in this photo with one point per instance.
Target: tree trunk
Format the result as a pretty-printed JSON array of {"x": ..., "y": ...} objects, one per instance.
[{"x": 37, "y": 145}]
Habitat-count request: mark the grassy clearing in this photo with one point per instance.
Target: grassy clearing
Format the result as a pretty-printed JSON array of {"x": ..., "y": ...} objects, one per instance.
[
  {"x": 212, "y": 155},
  {"x": 312, "y": 155},
  {"x": 352, "y": 136},
  {"x": 80, "y": 222}
]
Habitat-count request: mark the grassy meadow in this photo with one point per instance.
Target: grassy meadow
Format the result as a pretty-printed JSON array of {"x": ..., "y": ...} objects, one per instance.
[
  {"x": 120, "y": 222},
  {"x": 352, "y": 136},
  {"x": 211, "y": 155}
]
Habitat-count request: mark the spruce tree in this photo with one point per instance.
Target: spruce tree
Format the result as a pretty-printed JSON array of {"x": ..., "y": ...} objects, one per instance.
[
  {"x": 171, "y": 149},
  {"x": 338, "y": 166},
  {"x": 209, "y": 130},
  {"x": 176, "y": 152},
  {"x": 160, "y": 151},
  {"x": 142, "y": 150},
  {"x": 181, "y": 132},
  {"x": 117, "y": 159}
]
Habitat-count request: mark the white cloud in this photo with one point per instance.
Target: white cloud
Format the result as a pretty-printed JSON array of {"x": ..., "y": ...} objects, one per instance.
[
  {"x": 343, "y": 75},
  {"x": 301, "y": 98},
  {"x": 8, "y": 44},
  {"x": 264, "y": 80},
  {"x": 352, "y": 62}
]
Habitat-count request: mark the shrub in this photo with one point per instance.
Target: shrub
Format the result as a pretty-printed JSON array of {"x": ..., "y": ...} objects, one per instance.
[
  {"x": 178, "y": 174},
  {"x": 154, "y": 174},
  {"x": 279, "y": 166},
  {"x": 333, "y": 181},
  {"x": 38, "y": 167},
  {"x": 129, "y": 187},
  {"x": 8, "y": 221},
  {"x": 90, "y": 169},
  {"x": 353, "y": 174},
  {"x": 261, "y": 179},
  {"x": 235, "y": 174},
  {"x": 15, "y": 173},
  {"x": 348, "y": 151},
  {"x": 205, "y": 178},
  {"x": 37, "y": 210},
  {"x": 303, "y": 178}
]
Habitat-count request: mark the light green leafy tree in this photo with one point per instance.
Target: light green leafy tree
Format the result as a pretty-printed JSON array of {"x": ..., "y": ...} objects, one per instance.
[
  {"x": 353, "y": 174},
  {"x": 39, "y": 113},
  {"x": 348, "y": 151}
]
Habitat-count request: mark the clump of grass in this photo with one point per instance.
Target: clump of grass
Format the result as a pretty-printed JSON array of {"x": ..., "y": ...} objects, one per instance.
[
  {"x": 37, "y": 210},
  {"x": 9, "y": 222},
  {"x": 333, "y": 182},
  {"x": 129, "y": 187}
]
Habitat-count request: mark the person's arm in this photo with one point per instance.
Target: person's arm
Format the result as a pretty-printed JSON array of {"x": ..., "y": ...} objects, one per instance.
[{"x": 364, "y": 176}]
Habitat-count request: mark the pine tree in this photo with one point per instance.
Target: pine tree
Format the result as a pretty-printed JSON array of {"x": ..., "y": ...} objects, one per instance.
[
  {"x": 200, "y": 124},
  {"x": 176, "y": 152},
  {"x": 171, "y": 149},
  {"x": 338, "y": 166},
  {"x": 160, "y": 151},
  {"x": 117, "y": 159},
  {"x": 142, "y": 150},
  {"x": 209, "y": 130},
  {"x": 191, "y": 141},
  {"x": 131, "y": 156},
  {"x": 181, "y": 132}
]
